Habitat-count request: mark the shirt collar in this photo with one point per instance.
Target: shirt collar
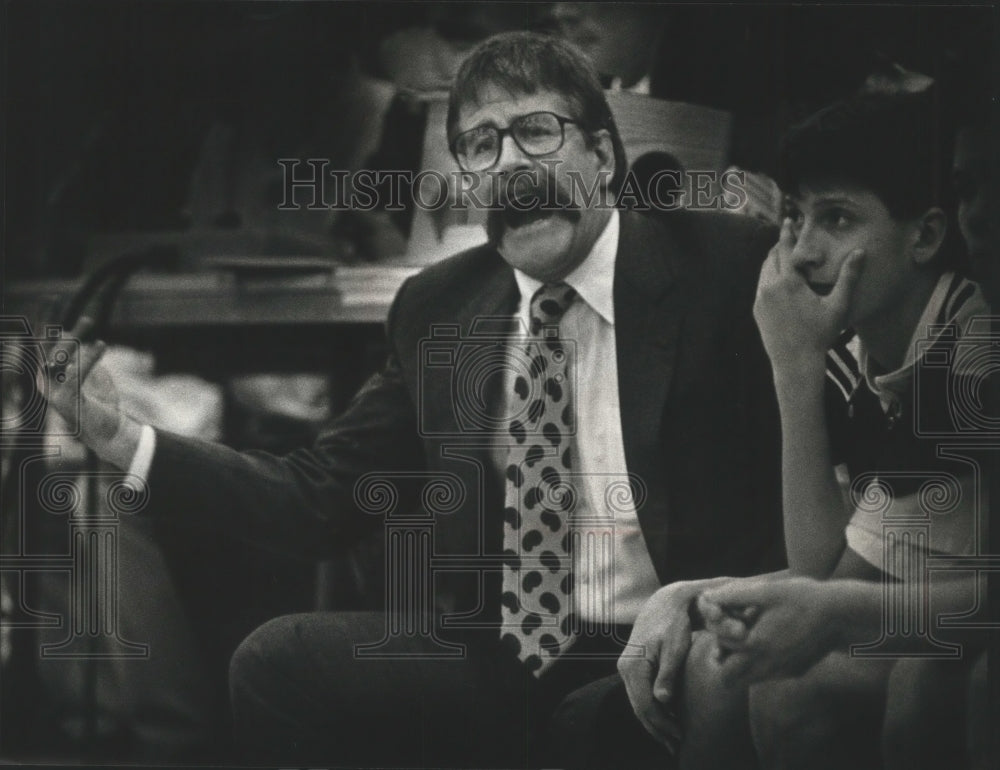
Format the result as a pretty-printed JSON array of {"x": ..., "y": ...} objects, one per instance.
[
  {"x": 593, "y": 279},
  {"x": 889, "y": 386}
]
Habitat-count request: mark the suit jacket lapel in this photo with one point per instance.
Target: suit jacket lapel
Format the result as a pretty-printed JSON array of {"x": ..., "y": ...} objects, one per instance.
[
  {"x": 649, "y": 310},
  {"x": 478, "y": 308},
  {"x": 496, "y": 297},
  {"x": 489, "y": 314}
]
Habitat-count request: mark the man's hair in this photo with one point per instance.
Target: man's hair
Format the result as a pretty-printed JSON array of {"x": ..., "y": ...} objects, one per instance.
[
  {"x": 525, "y": 63},
  {"x": 893, "y": 145}
]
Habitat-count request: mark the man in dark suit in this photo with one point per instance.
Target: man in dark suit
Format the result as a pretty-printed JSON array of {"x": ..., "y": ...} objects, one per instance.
[{"x": 569, "y": 417}]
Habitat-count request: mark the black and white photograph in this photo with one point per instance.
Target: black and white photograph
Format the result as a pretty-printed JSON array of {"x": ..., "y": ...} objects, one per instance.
[{"x": 529, "y": 385}]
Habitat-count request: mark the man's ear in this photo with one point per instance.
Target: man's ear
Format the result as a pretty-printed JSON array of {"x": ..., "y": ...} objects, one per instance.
[
  {"x": 930, "y": 232},
  {"x": 605, "y": 149}
]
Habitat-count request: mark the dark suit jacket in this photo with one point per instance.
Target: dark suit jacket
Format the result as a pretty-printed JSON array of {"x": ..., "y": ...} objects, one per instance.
[{"x": 698, "y": 413}]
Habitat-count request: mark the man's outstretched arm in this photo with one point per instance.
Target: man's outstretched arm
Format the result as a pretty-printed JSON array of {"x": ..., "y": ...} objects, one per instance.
[{"x": 300, "y": 503}]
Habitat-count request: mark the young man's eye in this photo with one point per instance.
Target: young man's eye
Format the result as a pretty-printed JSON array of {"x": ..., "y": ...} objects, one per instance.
[{"x": 839, "y": 219}]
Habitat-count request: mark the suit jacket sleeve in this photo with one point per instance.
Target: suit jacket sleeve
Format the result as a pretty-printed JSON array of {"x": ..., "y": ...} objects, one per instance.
[{"x": 302, "y": 503}]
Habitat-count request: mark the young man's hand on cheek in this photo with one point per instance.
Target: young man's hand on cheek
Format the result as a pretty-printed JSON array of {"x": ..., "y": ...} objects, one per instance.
[{"x": 797, "y": 324}]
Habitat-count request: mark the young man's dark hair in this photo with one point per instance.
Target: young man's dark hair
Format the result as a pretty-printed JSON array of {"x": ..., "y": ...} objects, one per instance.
[
  {"x": 891, "y": 144},
  {"x": 528, "y": 62}
]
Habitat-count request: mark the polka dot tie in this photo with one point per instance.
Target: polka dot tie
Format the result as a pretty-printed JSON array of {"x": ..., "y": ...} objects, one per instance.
[{"x": 537, "y": 578}]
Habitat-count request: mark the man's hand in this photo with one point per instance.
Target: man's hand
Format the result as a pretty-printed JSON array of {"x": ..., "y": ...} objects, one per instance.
[
  {"x": 652, "y": 665},
  {"x": 796, "y": 324},
  {"x": 62, "y": 381},
  {"x": 770, "y": 628},
  {"x": 83, "y": 393}
]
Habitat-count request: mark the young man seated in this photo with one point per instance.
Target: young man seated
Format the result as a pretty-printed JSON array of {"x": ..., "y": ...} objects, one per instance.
[{"x": 867, "y": 325}]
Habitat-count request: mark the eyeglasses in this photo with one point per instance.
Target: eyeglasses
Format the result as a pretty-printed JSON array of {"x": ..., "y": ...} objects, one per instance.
[{"x": 537, "y": 133}]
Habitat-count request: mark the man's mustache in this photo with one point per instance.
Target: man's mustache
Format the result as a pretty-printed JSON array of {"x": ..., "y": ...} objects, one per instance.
[{"x": 522, "y": 199}]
